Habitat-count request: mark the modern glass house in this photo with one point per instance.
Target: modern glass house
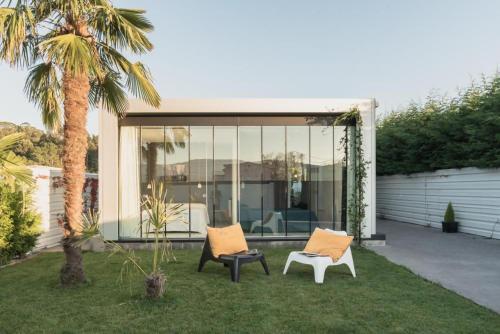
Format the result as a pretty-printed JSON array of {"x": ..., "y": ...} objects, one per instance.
[{"x": 279, "y": 167}]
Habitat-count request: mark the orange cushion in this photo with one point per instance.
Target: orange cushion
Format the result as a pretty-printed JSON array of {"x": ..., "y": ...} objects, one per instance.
[
  {"x": 326, "y": 243},
  {"x": 227, "y": 240}
]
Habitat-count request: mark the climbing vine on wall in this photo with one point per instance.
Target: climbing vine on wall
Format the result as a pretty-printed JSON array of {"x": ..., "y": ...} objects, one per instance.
[{"x": 356, "y": 209}]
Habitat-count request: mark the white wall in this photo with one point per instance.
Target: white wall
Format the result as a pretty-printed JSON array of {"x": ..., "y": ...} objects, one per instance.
[
  {"x": 422, "y": 199},
  {"x": 48, "y": 200}
]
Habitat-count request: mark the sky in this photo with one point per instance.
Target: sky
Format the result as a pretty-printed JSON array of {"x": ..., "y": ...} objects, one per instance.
[{"x": 394, "y": 51}]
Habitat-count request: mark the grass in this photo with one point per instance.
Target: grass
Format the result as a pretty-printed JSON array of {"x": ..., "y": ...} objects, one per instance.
[{"x": 384, "y": 298}]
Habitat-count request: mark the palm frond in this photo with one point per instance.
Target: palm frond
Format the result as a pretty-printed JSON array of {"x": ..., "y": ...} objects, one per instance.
[
  {"x": 73, "y": 53},
  {"x": 12, "y": 168},
  {"x": 109, "y": 94},
  {"x": 8, "y": 142},
  {"x": 122, "y": 28},
  {"x": 43, "y": 88},
  {"x": 16, "y": 26},
  {"x": 139, "y": 82}
]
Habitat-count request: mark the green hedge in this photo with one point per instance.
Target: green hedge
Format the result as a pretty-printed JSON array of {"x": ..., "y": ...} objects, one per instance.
[
  {"x": 443, "y": 133},
  {"x": 19, "y": 225}
]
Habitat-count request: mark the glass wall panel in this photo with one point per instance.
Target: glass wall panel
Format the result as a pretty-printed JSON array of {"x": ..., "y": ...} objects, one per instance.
[
  {"x": 152, "y": 162},
  {"x": 298, "y": 214},
  {"x": 201, "y": 179},
  {"x": 129, "y": 184},
  {"x": 340, "y": 178},
  {"x": 177, "y": 176},
  {"x": 225, "y": 175},
  {"x": 273, "y": 180},
  {"x": 250, "y": 167},
  {"x": 321, "y": 177}
]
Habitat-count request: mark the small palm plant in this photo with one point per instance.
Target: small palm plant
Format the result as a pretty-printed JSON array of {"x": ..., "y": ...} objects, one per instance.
[
  {"x": 449, "y": 215},
  {"x": 160, "y": 213}
]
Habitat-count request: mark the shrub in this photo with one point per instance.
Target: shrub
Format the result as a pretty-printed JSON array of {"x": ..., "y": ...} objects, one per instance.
[
  {"x": 19, "y": 224},
  {"x": 443, "y": 133},
  {"x": 449, "y": 216}
]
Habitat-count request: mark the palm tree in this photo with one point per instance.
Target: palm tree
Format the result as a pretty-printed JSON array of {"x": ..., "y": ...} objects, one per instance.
[{"x": 73, "y": 51}]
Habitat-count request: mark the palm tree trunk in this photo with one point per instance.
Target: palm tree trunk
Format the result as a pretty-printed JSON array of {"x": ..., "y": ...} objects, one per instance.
[{"x": 76, "y": 90}]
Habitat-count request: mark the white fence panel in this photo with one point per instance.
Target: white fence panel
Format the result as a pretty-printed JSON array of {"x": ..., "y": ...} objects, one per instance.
[
  {"x": 48, "y": 199},
  {"x": 422, "y": 198}
]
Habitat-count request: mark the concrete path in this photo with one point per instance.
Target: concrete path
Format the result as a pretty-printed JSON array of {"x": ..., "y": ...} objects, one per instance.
[{"x": 464, "y": 263}]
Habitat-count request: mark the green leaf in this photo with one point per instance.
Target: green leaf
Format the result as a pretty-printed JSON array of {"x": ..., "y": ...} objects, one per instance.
[
  {"x": 12, "y": 168},
  {"x": 140, "y": 84},
  {"x": 109, "y": 94},
  {"x": 122, "y": 28},
  {"x": 73, "y": 53},
  {"x": 43, "y": 88}
]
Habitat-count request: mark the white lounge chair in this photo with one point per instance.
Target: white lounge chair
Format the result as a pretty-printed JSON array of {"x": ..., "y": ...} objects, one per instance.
[{"x": 320, "y": 263}]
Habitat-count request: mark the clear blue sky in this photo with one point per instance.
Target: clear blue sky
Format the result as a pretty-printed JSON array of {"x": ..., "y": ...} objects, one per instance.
[{"x": 395, "y": 51}]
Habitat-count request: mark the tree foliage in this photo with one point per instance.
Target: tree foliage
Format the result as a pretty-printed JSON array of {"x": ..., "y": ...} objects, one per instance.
[
  {"x": 19, "y": 224},
  {"x": 38, "y": 147},
  {"x": 443, "y": 133},
  {"x": 80, "y": 39}
]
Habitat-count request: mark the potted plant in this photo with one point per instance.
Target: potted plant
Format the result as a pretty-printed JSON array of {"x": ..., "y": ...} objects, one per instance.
[
  {"x": 160, "y": 213},
  {"x": 449, "y": 223}
]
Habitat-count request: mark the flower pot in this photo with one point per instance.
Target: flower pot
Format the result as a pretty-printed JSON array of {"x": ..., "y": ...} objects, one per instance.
[
  {"x": 450, "y": 227},
  {"x": 155, "y": 285}
]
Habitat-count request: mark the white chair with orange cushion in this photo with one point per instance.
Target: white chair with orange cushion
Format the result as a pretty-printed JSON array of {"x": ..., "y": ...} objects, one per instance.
[{"x": 332, "y": 248}]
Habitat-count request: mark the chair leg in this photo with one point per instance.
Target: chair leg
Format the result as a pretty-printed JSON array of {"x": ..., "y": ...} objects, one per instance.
[
  {"x": 264, "y": 264},
  {"x": 288, "y": 261},
  {"x": 203, "y": 260},
  {"x": 234, "y": 268},
  {"x": 319, "y": 273},
  {"x": 350, "y": 262}
]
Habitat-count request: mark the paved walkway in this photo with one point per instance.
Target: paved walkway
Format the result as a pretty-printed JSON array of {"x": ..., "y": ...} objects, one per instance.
[{"x": 464, "y": 263}]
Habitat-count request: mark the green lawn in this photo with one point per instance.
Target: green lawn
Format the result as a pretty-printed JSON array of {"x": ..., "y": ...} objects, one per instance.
[{"x": 384, "y": 298}]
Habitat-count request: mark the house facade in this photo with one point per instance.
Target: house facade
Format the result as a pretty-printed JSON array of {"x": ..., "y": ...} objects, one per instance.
[{"x": 279, "y": 167}]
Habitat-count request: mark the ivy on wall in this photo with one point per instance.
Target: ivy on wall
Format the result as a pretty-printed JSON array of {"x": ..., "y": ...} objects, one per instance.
[
  {"x": 443, "y": 133},
  {"x": 356, "y": 208}
]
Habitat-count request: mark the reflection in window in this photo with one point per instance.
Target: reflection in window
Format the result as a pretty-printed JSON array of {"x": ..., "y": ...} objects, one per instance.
[
  {"x": 225, "y": 175},
  {"x": 298, "y": 214},
  {"x": 273, "y": 180},
  {"x": 201, "y": 185},
  {"x": 176, "y": 176},
  {"x": 322, "y": 176},
  {"x": 152, "y": 156},
  {"x": 250, "y": 155}
]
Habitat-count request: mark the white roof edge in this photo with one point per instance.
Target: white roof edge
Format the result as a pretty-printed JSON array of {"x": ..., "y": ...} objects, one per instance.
[{"x": 254, "y": 105}]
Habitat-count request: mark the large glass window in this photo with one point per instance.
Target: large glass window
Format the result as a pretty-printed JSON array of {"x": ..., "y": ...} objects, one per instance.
[
  {"x": 201, "y": 181},
  {"x": 177, "y": 176},
  {"x": 275, "y": 180},
  {"x": 250, "y": 171},
  {"x": 322, "y": 177},
  {"x": 298, "y": 213},
  {"x": 225, "y": 175}
]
